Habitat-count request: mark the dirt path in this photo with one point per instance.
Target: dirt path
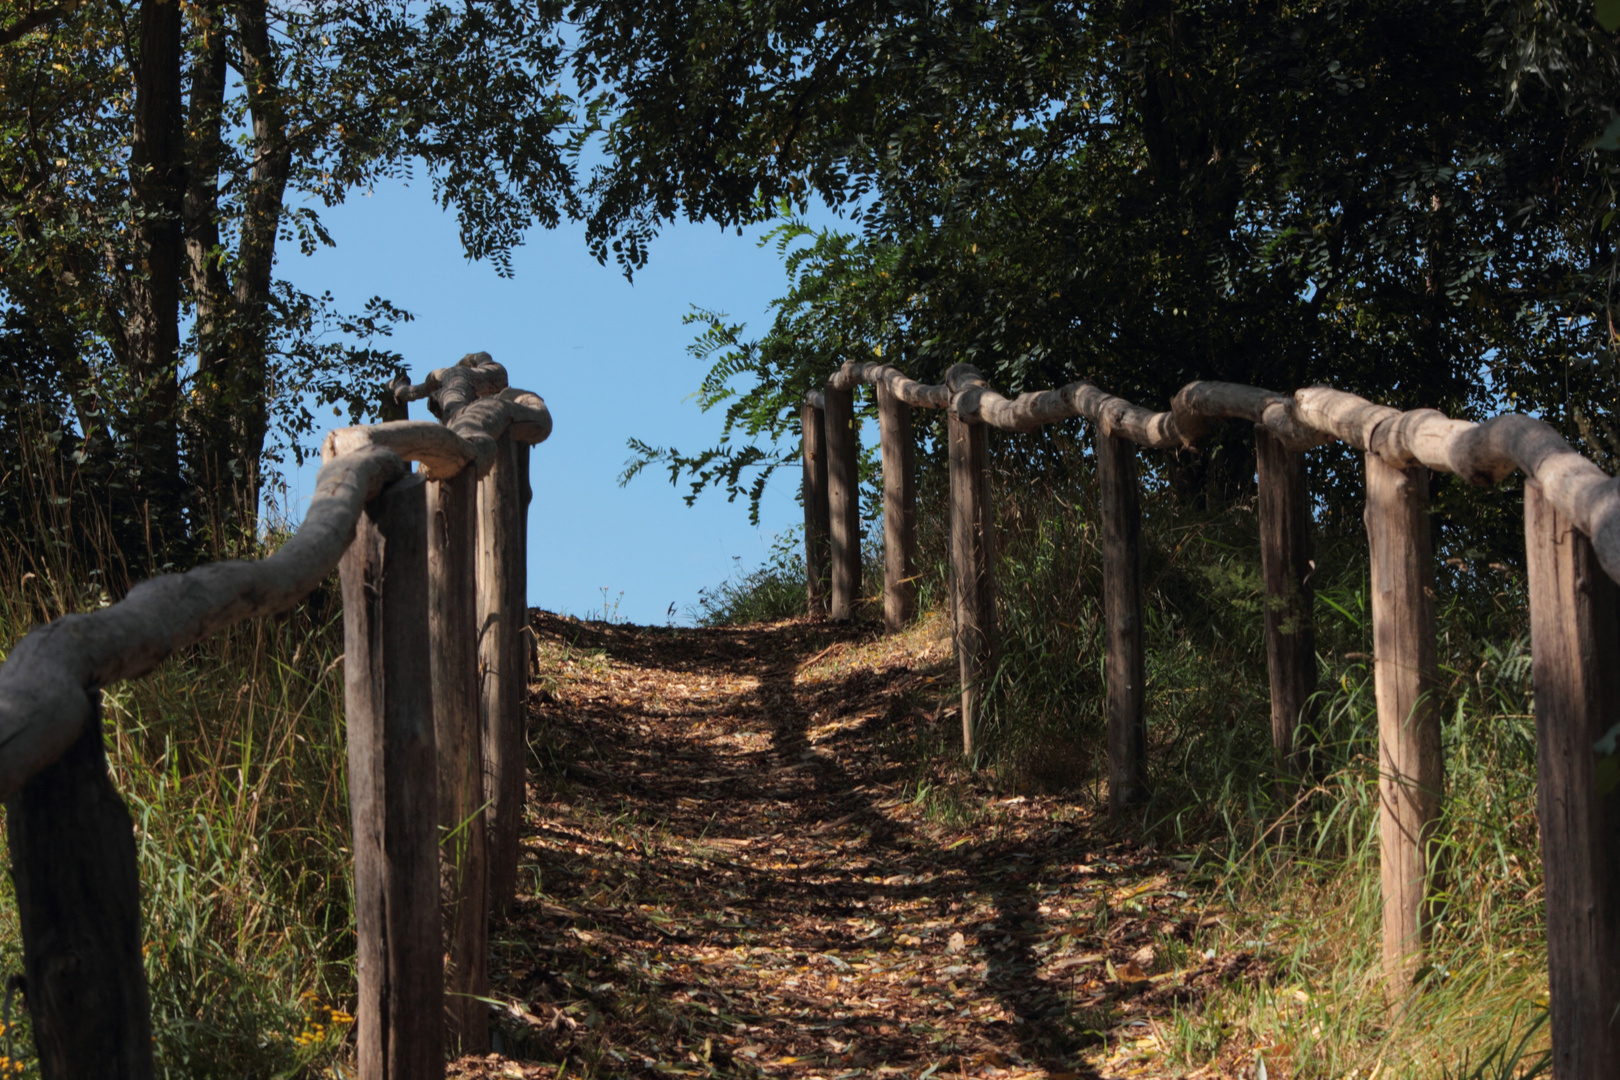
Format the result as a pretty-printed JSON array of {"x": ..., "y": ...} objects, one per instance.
[{"x": 749, "y": 854}]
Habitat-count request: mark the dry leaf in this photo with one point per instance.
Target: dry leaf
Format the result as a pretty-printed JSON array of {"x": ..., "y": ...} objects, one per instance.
[
  {"x": 956, "y": 943},
  {"x": 1130, "y": 972}
]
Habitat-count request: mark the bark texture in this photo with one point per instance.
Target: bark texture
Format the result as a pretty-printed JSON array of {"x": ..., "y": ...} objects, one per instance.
[
  {"x": 393, "y": 789},
  {"x": 1411, "y": 773}
]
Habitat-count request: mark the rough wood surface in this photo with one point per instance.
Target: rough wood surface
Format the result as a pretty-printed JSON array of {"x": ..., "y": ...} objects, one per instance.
[
  {"x": 843, "y": 502},
  {"x": 78, "y": 902},
  {"x": 1198, "y": 403},
  {"x": 908, "y": 390},
  {"x": 47, "y": 684},
  {"x": 1405, "y": 670},
  {"x": 899, "y": 509},
  {"x": 440, "y": 452},
  {"x": 1575, "y": 638},
  {"x": 1285, "y": 566},
  {"x": 393, "y": 405},
  {"x": 43, "y": 684},
  {"x": 1479, "y": 453},
  {"x": 522, "y": 635},
  {"x": 392, "y": 779},
  {"x": 464, "y": 871},
  {"x": 1188, "y": 419},
  {"x": 446, "y": 389},
  {"x": 1122, "y": 612},
  {"x": 813, "y": 445},
  {"x": 973, "y": 553},
  {"x": 502, "y": 719},
  {"x": 531, "y": 419}
]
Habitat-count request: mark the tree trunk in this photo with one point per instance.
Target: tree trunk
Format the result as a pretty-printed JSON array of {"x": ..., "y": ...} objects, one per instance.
[
  {"x": 215, "y": 469},
  {"x": 157, "y": 170},
  {"x": 256, "y": 251}
]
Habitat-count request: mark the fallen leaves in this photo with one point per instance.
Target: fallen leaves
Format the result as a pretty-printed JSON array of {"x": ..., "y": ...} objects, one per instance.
[{"x": 737, "y": 876}]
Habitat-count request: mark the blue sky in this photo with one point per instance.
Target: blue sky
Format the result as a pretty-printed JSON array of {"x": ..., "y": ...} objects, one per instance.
[{"x": 609, "y": 358}]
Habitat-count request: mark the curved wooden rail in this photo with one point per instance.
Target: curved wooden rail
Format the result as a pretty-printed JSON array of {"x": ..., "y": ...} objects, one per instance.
[
  {"x": 1572, "y": 529},
  {"x": 72, "y": 845}
]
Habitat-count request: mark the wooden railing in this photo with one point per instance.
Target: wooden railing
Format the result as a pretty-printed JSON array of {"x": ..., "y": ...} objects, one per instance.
[
  {"x": 1572, "y": 534},
  {"x": 432, "y": 571}
]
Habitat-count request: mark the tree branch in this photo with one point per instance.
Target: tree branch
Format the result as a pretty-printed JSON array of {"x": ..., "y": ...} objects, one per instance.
[{"x": 36, "y": 19}]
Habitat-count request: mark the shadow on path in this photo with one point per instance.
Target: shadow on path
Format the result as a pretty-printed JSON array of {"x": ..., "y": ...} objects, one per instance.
[{"x": 750, "y": 852}]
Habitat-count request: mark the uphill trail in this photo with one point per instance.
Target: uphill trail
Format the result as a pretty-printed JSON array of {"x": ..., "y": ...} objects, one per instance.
[{"x": 749, "y": 852}]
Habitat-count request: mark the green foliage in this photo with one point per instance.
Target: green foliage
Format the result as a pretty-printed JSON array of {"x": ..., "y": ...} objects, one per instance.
[
  {"x": 117, "y": 238},
  {"x": 833, "y": 307},
  {"x": 769, "y": 592},
  {"x": 1136, "y": 194}
]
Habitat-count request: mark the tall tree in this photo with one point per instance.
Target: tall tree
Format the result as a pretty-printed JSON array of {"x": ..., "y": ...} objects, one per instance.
[
  {"x": 190, "y": 358},
  {"x": 1141, "y": 192}
]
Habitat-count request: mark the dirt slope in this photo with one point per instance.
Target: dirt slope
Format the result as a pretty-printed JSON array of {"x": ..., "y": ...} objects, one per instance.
[{"x": 749, "y": 854}]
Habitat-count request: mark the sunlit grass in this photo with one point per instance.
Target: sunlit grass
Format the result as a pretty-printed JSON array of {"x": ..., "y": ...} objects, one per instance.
[{"x": 231, "y": 760}]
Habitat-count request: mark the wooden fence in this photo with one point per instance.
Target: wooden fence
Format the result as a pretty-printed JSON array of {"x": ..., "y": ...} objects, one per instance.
[
  {"x": 1572, "y": 534},
  {"x": 432, "y": 572}
]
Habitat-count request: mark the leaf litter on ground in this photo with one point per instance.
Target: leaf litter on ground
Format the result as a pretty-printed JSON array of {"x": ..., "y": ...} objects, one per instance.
[{"x": 733, "y": 868}]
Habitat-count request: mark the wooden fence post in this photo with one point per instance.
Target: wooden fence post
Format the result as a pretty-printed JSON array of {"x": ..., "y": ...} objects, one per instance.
[
  {"x": 392, "y": 407},
  {"x": 899, "y": 510},
  {"x": 1410, "y": 769},
  {"x": 392, "y": 779},
  {"x": 78, "y": 900},
  {"x": 464, "y": 871},
  {"x": 518, "y": 670},
  {"x": 816, "y": 509},
  {"x": 1285, "y": 565},
  {"x": 843, "y": 497},
  {"x": 973, "y": 553},
  {"x": 520, "y": 593},
  {"x": 1575, "y": 645},
  {"x": 1122, "y": 612},
  {"x": 500, "y": 707}
]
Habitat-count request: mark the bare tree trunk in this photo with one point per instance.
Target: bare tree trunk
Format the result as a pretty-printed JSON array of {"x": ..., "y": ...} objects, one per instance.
[
  {"x": 214, "y": 466},
  {"x": 256, "y": 253},
  {"x": 156, "y": 174}
]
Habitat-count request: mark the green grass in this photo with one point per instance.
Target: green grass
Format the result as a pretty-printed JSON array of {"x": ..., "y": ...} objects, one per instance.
[{"x": 231, "y": 759}]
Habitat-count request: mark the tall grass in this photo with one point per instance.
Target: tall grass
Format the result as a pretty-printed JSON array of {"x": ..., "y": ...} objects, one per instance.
[{"x": 231, "y": 759}]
